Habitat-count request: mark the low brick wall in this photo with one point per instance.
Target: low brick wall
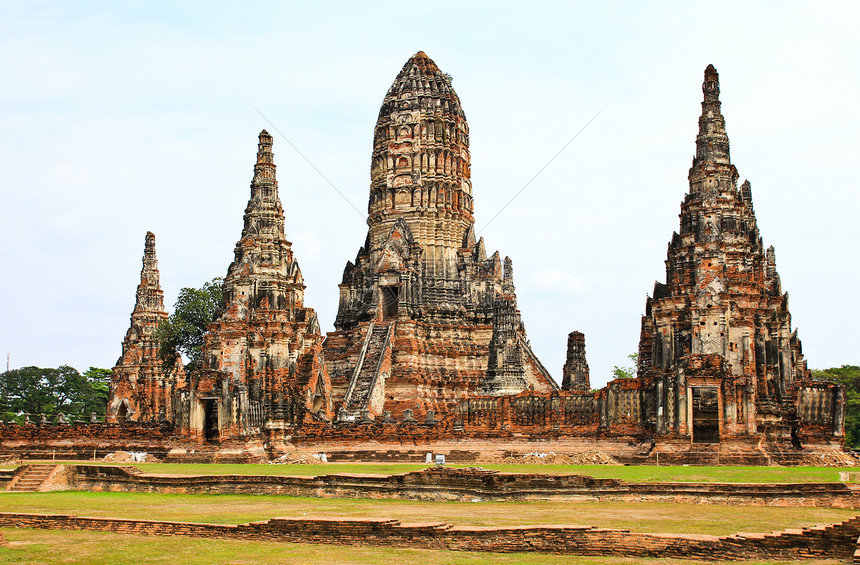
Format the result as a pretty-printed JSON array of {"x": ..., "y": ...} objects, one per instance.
[
  {"x": 833, "y": 541},
  {"x": 81, "y": 440},
  {"x": 465, "y": 484}
]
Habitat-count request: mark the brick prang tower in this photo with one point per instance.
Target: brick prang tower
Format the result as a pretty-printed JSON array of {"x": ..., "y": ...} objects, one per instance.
[
  {"x": 716, "y": 341},
  {"x": 422, "y": 308},
  {"x": 262, "y": 365},
  {"x": 141, "y": 388}
]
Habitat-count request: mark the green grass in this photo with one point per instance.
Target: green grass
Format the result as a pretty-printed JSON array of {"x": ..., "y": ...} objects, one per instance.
[
  {"x": 642, "y": 473},
  {"x": 236, "y": 509},
  {"x": 98, "y": 548}
]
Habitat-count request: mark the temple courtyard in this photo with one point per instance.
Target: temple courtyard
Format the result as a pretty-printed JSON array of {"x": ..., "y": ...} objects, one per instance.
[{"x": 703, "y": 520}]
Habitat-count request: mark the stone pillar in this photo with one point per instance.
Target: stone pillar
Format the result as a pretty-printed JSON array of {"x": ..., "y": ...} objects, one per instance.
[
  {"x": 603, "y": 410},
  {"x": 839, "y": 411},
  {"x": 749, "y": 409},
  {"x": 683, "y": 426}
]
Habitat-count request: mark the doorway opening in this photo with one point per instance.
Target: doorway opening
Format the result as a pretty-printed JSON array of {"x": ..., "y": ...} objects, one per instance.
[
  {"x": 122, "y": 414},
  {"x": 390, "y": 302},
  {"x": 706, "y": 414},
  {"x": 210, "y": 420}
]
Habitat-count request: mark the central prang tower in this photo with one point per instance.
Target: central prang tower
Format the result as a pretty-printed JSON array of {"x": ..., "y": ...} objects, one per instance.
[
  {"x": 420, "y": 166},
  {"x": 425, "y": 317}
]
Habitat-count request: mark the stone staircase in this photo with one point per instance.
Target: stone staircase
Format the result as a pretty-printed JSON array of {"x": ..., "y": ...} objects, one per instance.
[
  {"x": 366, "y": 372},
  {"x": 31, "y": 477}
]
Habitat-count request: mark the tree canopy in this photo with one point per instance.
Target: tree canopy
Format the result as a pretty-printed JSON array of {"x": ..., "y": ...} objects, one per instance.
[
  {"x": 849, "y": 376},
  {"x": 184, "y": 330},
  {"x": 36, "y": 390}
]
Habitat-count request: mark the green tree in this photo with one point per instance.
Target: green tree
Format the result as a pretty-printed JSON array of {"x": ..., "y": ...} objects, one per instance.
[
  {"x": 626, "y": 372},
  {"x": 849, "y": 376},
  {"x": 99, "y": 380},
  {"x": 36, "y": 390},
  {"x": 184, "y": 330}
]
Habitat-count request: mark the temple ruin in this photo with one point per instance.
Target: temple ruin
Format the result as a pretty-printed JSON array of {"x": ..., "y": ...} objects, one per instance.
[{"x": 429, "y": 345}]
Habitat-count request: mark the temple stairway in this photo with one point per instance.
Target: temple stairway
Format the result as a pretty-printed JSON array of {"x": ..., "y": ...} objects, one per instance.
[
  {"x": 365, "y": 374},
  {"x": 31, "y": 477}
]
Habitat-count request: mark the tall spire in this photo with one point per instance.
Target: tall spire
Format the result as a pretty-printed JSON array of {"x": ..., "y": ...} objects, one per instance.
[
  {"x": 264, "y": 215},
  {"x": 712, "y": 169},
  {"x": 712, "y": 143},
  {"x": 140, "y": 388},
  {"x": 149, "y": 296},
  {"x": 263, "y": 258}
]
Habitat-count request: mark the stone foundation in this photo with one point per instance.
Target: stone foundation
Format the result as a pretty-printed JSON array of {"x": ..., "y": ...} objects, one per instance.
[{"x": 459, "y": 484}]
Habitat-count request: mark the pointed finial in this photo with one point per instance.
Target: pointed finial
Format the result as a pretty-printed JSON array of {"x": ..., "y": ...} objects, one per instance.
[
  {"x": 149, "y": 296},
  {"x": 711, "y": 86},
  {"x": 712, "y": 143},
  {"x": 264, "y": 148}
]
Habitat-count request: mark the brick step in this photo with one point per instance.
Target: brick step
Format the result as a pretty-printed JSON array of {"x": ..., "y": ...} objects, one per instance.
[
  {"x": 367, "y": 370},
  {"x": 32, "y": 478}
]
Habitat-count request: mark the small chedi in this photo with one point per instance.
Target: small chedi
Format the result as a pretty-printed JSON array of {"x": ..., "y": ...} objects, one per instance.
[
  {"x": 575, "y": 374},
  {"x": 262, "y": 363},
  {"x": 425, "y": 318},
  {"x": 717, "y": 355},
  {"x": 141, "y": 390},
  {"x": 429, "y": 344}
]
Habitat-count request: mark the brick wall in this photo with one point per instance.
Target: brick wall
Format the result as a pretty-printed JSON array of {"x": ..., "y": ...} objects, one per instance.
[{"x": 79, "y": 440}]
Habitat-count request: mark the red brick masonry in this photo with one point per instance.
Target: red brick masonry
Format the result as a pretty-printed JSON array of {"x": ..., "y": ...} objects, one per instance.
[
  {"x": 832, "y": 541},
  {"x": 464, "y": 484}
]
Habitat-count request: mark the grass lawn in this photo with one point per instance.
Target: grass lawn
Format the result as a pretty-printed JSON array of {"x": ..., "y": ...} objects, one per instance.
[
  {"x": 97, "y": 548},
  {"x": 235, "y": 509},
  {"x": 645, "y": 473}
]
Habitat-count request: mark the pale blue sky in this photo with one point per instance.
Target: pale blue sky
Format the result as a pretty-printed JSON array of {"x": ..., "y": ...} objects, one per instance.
[{"x": 118, "y": 118}]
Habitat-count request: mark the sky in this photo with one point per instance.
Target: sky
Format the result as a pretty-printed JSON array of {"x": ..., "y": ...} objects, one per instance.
[{"x": 122, "y": 117}]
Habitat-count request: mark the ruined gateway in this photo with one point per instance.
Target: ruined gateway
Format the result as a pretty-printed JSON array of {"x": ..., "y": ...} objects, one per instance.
[{"x": 428, "y": 341}]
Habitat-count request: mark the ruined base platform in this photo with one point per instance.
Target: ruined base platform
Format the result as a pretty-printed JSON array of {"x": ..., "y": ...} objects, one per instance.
[
  {"x": 443, "y": 484},
  {"x": 837, "y": 541},
  {"x": 402, "y": 444}
]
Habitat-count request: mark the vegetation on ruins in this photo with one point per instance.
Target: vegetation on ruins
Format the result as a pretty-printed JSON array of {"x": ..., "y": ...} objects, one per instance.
[
  {"x": 183, "y": 331},
  {"x": 626, "y": 372},
  {"x": 849, "y": 377},
  {"x": 49, "y": 391}
]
